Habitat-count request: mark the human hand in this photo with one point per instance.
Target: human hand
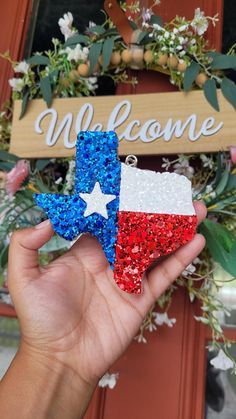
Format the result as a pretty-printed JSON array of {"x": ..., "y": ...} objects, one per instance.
[{"x": 71, "y": 311}]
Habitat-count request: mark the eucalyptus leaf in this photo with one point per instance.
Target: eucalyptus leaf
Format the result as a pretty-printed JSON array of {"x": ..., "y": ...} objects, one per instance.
[
  {"x": 221, "y": 244},
  {"x": 53, "y": 76},
  {"x": 223, "y": 62},
  {"x": 210, "y": 92},
  {"x": 133, "y": 25},
  {"x": 6, "y": 166},
  {"x": 111, "y": 32},
  {"x": 141, "y": 36},
  {"x": 94, "y": 54},
  {"x": 190, "y": 75},
  {"x": 46, "y": 90},
  {"x": 156, "y": 20},
  {"x": 228, "y": 89},
  {"x": 38, "y": 60},
  {"x": 5, "y": 156},
  {"x": 42, "y": 163},
  {"x": 25, "y": 101},
  {"x": 106, "y": 52},
  {"x": 76, "y": 39},
  {"x": 97, "y": 29}
]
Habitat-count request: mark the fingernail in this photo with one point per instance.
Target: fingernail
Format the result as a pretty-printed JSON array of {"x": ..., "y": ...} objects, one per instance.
[{"x": 43, "y": 224}]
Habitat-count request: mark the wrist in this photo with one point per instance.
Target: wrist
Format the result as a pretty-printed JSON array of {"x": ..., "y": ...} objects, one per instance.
[{"x": 36, "y": 376}]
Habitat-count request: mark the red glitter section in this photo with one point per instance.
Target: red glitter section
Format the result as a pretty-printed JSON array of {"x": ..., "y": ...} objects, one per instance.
[{"x": 142, "y": 238}]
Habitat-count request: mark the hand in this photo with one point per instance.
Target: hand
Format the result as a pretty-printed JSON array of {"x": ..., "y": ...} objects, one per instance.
[{"x": 71, "y": 310}]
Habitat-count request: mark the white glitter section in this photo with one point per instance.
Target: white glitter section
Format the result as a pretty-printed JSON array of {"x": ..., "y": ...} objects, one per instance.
[{"x": 153, "y": 192}]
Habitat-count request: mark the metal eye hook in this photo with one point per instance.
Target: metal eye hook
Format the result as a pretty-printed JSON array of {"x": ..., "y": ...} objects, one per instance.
[{"x": 131, "y": 160}]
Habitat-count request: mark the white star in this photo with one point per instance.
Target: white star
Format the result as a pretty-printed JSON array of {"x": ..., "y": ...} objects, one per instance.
[{"x": 96, "y": 201}]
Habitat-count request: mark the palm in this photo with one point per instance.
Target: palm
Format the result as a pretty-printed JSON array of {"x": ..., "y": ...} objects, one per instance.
[{"x": 86, "y": 312}]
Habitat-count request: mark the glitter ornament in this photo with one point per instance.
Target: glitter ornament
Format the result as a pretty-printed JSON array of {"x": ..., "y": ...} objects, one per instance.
[{"x": 137, "y": 215}]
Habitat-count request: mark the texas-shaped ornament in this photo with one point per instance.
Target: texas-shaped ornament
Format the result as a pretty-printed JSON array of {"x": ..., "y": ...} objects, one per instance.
[{"x": 137, "y": 215}]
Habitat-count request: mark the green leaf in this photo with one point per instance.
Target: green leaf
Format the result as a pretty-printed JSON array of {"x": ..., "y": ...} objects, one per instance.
[
  {"x": 190, "y": 75},
  {"x": 141, "y": 37},
  {"x": 76, "y": 39},
  {"x": 56, "y": 243},
  {"x": 210, "y": 92},
  {"x": 94, "y": 54},
  {"x": 111, "y": 32},
  {"x": 221, "y": 244},
  {"x": 38, "y": 60},
  {"x": 97, "y": 29},
  {"x": 106, "y": 52},
  {"x": 42, "y": 163},
  {"x": 223, "y": 181},
  {"x": 231, "y": 183},
  {"x": 156, "y": 20},
  {"x": 228, "y": 89},
  {"x": 25, "y": 101},
  {"x": 5, "y": 156},
  {"x": 46, "y": 90},
  {"x": 223, "y": 62},
  {"x": 53, "y": 76},
  {"x": 6, "y": 166},
  {"x": 4, "y": 257},
  {"x": 133, "y": 25}
]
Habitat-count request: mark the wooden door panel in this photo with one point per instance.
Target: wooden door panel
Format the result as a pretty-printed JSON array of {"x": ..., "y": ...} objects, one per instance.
[{"x": 14, "y": 19}]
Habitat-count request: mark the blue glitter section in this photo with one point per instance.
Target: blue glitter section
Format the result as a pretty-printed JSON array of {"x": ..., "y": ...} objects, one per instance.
[{"x": 96, "y": 161}]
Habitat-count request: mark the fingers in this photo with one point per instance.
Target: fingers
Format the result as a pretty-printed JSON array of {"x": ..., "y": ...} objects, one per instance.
[
  {"x": 201, "y": 210},
  {"x": 23, "y": 251},
  {"x": 160, "y": 278}
]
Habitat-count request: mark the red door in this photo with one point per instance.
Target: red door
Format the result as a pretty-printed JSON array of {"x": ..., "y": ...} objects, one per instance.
[{"x": 165, "y": 378}]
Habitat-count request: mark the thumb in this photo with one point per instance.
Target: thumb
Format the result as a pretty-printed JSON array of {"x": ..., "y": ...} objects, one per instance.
[{"x": 23, "y": 251}]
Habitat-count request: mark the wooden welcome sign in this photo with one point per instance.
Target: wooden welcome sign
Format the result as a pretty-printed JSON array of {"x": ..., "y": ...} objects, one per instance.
[{"x": 161, "y": 123}]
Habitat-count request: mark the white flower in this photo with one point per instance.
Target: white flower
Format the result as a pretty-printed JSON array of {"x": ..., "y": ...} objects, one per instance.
[
  {"x": 108, "y": 380},
  {"x": 209, "y": 188},
  {"x": 183, "y": 168},
  {"x": 91, "y": 83},
  {"x": 200, "y": 22},
  {"x": 22, "y": 67},
  {"x": 77, "y": 53},
  {"x": 222, "y": 361},
  {"x": 91, "y": 24},
  {"x": 162, "y": 318},
  {"x": 58, "y": 181},
  {"x": 166, "y": 163},
  {"x": 16, "y": 84},
  {"x": 65, "y": 24},
  {"x": 146, "y": 15},
  {"x": 189, "y": 270},
  {"x": 66, "y": 20},
  {"x": 140, "y": 339},
  {"x": 183, "y": 28},
  {"x": 207, "y": 161},
  {"x": 70, "y": 176},
  {"x": 158, "y": 27}
]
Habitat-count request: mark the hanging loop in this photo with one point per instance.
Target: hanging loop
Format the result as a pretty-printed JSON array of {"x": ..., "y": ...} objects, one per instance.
[{"x": 131, "y": 160}]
